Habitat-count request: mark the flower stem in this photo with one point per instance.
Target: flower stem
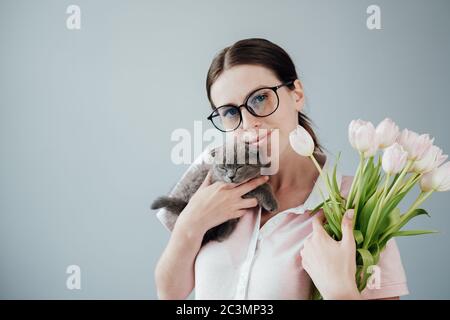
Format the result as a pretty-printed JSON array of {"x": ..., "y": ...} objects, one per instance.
[
  {"x": 397, "y": 182},
  {"x": 419, "y": 200},
  {"x": 322, "y": 175},
  {"x": 411, "y": 181},
  {"x": 330, "y": 190},
  {"x": 354, "y": 182}
]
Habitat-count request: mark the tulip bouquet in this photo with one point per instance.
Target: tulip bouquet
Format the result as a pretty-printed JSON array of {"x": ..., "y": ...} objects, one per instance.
[{"x": 379, "y": 185}]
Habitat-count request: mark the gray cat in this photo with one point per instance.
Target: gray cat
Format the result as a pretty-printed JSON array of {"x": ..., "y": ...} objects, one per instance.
[{"x": 228, "y": 171}]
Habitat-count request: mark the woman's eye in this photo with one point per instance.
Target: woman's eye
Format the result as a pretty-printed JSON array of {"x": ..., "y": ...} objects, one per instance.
[
  {"x": 231, "y": 112},
  {"x": 259, "y": 98}
]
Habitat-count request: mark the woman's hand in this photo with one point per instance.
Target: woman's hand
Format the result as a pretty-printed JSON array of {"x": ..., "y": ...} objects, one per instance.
[
  {"x": 331, "y": 264},
  {"x": 213, "y": 204}
]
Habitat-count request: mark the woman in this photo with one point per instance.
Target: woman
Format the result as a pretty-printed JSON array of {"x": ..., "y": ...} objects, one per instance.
[{"x": 269, "y": 255}]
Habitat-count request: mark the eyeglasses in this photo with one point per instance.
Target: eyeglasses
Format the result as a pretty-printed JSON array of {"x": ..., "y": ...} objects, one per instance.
[{"x": 261, "y": 102}]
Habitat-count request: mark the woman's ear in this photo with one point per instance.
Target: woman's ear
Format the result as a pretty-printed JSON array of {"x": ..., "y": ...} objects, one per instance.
[{"x": 299, "y": 96}]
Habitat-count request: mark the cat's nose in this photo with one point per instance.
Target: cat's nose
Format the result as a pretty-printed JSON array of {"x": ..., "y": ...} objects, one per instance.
[{"x": 231, "y": 175}]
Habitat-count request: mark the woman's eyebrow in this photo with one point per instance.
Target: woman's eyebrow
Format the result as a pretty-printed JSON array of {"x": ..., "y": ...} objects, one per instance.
[{"x": 247, "y": 96}]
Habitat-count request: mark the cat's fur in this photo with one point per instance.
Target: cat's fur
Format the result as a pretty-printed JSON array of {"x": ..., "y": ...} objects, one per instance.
[{"x": 223, "y": 169}]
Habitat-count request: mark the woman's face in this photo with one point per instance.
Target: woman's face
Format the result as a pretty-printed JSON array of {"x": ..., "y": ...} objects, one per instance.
[{"x": 234, "y": 85}]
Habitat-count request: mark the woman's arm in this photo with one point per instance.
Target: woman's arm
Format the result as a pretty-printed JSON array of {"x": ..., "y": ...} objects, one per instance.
[
  {"x": 211, "y": 205},
  {"x": 174, "y": 273}
]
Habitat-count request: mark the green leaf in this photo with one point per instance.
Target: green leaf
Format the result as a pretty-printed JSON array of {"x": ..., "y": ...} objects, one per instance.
[
  {"x": 318, "y": 207},
  {"x": 368, "y": 183},
  {"x": 386, "y": 211},
  {"x": 371, "y": 186},
  {"x": 412, "y": 233},
  {"x": 334, "y": 225},
  {"x": 409, "y": 188},
  {"x": 329, "y": 183},
  {"x": 393, "y": 203},
  {"x": 372, "y": 227},
  {"x": 392, "y": 219},
  {"x": 365, "y": 182},
  {"x": 375, "y": 249},
  {"x": 364, "y": 215},
  {"x": 335, "y": 184},
  {"x": 328, "y": 229},
  {"x": 404, "y": 220},
  {"x": 393, "y": 181},
  {"x": 359, "y": 238},
  {"x": 419, "y": 212},
  {"x": 366, "y": 256},
  {"x": 383, "y": 243},
  {"x": 378, "y": 217}
]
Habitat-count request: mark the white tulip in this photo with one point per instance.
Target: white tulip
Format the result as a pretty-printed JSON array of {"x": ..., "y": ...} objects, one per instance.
[
  {"x": 415, "y": 145},
  {"x": 362, "y": 136},
  {"x": 394, "y": 159},
  {"x": 437, "y": 180},
  {"x": 301, "y": 141},
  {"x": 387, "y": 132},
  {"x": 431, "y": 160}
]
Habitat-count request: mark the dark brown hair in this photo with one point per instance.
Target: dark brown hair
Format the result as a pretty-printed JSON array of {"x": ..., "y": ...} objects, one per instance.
[{"x": 262, "y": 52}]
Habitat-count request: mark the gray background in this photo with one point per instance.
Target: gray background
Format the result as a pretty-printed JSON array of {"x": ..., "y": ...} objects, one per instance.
[{"x": 86, "y": 118}]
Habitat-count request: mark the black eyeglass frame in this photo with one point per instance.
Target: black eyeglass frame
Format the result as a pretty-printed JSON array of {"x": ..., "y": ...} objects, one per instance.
[{"x": 249, "y": 109}]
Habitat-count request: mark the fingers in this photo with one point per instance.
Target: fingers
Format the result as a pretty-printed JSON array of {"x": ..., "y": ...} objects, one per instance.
[
  {"x": 252, "y": 184},
  {"x": 207, "y": 180},
  {"x": 248, "y": 203},
  {"x": 240, "y": 213},
  {"x": 317, "y": 224},
  {"x": 347, "y": 226}
]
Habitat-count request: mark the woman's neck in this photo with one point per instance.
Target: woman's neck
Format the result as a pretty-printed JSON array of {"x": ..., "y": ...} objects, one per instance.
[{"x": 295, "y": 172}]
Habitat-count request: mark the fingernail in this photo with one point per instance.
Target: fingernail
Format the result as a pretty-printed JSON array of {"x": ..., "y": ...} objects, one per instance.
[
  {"x": 350, "y": 214},
  {"x": 266, "y": 178}
]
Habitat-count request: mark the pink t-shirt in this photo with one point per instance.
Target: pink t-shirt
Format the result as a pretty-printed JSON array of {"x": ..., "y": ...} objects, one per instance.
[{"x": 265, "y": 263}]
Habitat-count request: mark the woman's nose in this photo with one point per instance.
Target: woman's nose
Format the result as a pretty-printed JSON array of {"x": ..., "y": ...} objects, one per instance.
[{"x": 249, "y": 121}]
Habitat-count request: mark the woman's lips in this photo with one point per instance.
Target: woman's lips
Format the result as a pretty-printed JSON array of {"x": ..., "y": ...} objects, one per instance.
[{"x": 259, "y": 139}]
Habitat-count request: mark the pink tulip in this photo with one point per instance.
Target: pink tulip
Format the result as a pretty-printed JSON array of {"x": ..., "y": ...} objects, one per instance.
[
  {"x": 362, "y": 136},
  {"x": 394, "y": 159},
  {"x": 372, "y": 150},
  {"x": 431, "y": 160},
  {"x": 415, "y": 145},
  {"x": 437, "y": 180},
  {"x": 387, "y": 132}
]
